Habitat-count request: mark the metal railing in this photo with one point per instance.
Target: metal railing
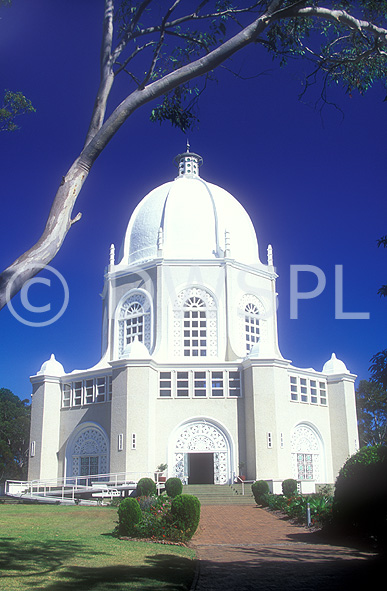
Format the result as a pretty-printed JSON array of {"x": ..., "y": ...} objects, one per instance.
[{"x": 72, "y": 486}]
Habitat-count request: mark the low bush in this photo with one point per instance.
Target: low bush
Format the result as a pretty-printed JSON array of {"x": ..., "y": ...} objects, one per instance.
[
  {"x": 275, "y": 502},
  {"x": 129, "y": 515},
  {"x": 259, "y": 488},
  {"x": 321, "y": 509},
  {"x": 153, "y": 517},
  {"x": 173, "y": 487},
  {"x": 185, "y": 510},
  {"x": 295, "y": 507},
  {"x": 289, "y": 487},
  {"x": 146, "y": 487}
]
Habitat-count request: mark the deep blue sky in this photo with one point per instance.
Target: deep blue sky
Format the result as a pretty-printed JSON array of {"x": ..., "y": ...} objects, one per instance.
[{"x": 315, "y": 188}]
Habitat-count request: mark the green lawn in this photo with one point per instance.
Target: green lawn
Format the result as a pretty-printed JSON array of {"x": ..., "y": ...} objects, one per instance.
[{"x": 45, "y": 547}]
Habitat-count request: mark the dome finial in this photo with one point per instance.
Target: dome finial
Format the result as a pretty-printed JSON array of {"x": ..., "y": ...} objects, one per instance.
[{"x": 188, "y": 163}]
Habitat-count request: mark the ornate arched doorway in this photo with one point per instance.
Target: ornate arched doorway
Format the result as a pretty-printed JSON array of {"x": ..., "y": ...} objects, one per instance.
[
  {"x": 87, "y": 451},
  {"x": 201, "y": 452},
  {"x": 307, "y": 453}
]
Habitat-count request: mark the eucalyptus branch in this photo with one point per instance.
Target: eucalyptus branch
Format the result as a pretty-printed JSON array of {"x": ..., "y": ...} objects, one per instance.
[
  {"x": 132, "y": 56},
  {"x": 187, "y": 37},
  {"x": 342, "y": 17},
  {"x": 129, "y": 34},
  {"x": 159, "y": 44},
  {"x": 194, "y": 17},
  {"x": 107, "y": 77}
]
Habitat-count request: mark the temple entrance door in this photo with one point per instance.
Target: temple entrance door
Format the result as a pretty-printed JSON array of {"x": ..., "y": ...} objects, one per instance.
[{"x": 201, "y": 468}]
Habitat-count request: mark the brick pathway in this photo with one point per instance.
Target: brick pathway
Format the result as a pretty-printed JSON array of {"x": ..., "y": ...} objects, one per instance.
[{"x": 247, "y": 549}]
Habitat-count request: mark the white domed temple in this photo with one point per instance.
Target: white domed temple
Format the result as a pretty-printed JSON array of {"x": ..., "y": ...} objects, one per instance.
[{"x": 191, "y": 373}]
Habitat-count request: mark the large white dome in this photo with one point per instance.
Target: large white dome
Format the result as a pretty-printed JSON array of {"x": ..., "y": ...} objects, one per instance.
[{"x": 189, "y": 218}]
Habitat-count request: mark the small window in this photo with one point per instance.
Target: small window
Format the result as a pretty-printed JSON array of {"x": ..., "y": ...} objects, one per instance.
[
  {"x": 66, "y": 399},
  {"x": 32, "y": 450},
  {"x": 120, "y": 441},
  {"x": 282, "y": 440},
  {"x": 323, "y": 393},
  {"x": 234, "y": 383},
  {"x": 89, "y": 391},
  {"x": 200, "y": 383},
  {"x": 251, "y": 325},
  {"x": 100, "y": 390},
  {"x": 77, "y": 393},
  {"x": 182, "y": 389},
  {"x": 165, "y": 384},
  {"x": 110, "y": 387},
  {"x": 269, "y": 440},
  {"x": 217, "y": 383},
  {"x": 134, "y": 442},
  {"x": 293, "y": 389}
]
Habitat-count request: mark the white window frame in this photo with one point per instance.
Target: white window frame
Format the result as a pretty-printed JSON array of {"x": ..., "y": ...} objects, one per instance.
[
  {"x": 195, "y": 327},
  {"x": 87, "y": 391},
  {"x": 183, "y": 383},
  {"x": 142, "y": 298},
  {"x": 217, "y": 384},
  {"x": 184, "y": 324},
  {"x": 77, "y": 393},
  {"x": 252, "y": 325},
  {"x": 308, "y": 390},
  {"x": 89, "y": 386},
  {"x": 66, "y": 395},
  {"x": 120, "y": 443}
]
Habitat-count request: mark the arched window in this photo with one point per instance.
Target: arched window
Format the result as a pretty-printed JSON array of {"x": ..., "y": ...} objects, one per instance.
[
  {"x": 251, "y": 313},
  {"x": 195, "y": 326},
  {"x": 306, "y": 451},
  {"x": 251, "y": 325},
  {"x": 134, "y": 321},
  {"x": 88, "y": 451}
]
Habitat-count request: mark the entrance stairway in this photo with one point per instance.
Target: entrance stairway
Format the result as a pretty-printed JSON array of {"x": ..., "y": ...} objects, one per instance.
[{"x": 221, "y": 494}]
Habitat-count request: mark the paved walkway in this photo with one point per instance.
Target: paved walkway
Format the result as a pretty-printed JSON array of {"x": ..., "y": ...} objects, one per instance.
[{"x": 247, "y": 548}]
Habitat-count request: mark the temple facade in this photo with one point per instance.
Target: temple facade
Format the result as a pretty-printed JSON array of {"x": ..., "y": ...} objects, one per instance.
[{"x": 191, "y": 374}]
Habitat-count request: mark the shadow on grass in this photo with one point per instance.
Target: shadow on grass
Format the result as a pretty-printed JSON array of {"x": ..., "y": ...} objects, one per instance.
[
  {"x": 29, "y": 559},
  {"x": 163, "y": 571},
  {"x": 35, "y": 561}
]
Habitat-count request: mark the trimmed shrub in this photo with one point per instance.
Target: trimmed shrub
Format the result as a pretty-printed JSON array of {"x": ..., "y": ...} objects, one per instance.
[
  {"x": 359, "y": 505},
  {"x": 260, "y": 488},
  {"x": 146, "y": 487},
  {"x": 185, "y": 510},
  {"x": 173, "y": 487},
  {"x": 129, "y": 514},
  {"x": 289, "y": 487}
]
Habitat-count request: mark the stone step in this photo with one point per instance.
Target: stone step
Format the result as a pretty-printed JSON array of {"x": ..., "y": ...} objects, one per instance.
[{"x": 215, "y": 494}]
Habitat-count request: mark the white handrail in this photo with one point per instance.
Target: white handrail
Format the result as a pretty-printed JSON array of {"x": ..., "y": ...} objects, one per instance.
[{"x": 239, "y": 479}]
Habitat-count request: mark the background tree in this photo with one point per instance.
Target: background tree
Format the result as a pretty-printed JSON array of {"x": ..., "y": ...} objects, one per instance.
[
  {"x": 163, "y": 47},
  {"x": 371, "y": 404},
  {"x": 378, "y": 367},
  {"x": 14, "y": 436},
  {"x": 13, "y": 105}
]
